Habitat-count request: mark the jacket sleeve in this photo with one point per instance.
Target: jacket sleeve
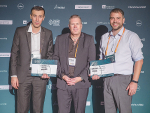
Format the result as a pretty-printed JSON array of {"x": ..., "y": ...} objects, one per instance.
[
  {"x": 14, "y": 54},
  {"x": 50, "y": 47},
  {"x": 56, "y": 57},
  {"x": 91, "y": 57}
]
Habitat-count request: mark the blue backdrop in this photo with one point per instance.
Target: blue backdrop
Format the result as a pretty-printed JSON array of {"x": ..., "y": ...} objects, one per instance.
[{"x": 95, "y": 19}]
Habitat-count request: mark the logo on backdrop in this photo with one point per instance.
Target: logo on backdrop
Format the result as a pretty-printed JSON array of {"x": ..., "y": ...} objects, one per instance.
[
  {"x": 104, "y": 23},
  {"x": 3, "y": 71},
  {"x": 138, "y": 88},
  {"x": 138, "y": 23},
  {"x": 52, "y": 86},
  {"x": 3, "y": 104},
  {"x": 4, "y": 54},
  {"x": 137, "y": 7},
  {"x": 3, "y": 38},
  {"x": 143, "y": 39},
  {"x": 107, "y": 7},
  {"x": 5, "y": 87},
  {"x": 137, "y": 105},
  {"x": 20, "y": 6},
  {"x": 54, "y": 39},
  {"x": 142, "y": 71},
  {"x": 83, "y": 6},
  {"x": 3, "y": 5},
  {"x": 88, "y": 103},
  {"x": 84, "y": 23},
  {"x": 6, "y": 22},
  {"x": 54, "y": 22},
  {"x": 25, "y": 21},
  {"x": 59, "y": 7},
  {"x": 39, "y": 5}
]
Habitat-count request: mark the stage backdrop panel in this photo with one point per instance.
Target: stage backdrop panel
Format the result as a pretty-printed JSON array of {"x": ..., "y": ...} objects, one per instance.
[{"x": 95, "y": 20}]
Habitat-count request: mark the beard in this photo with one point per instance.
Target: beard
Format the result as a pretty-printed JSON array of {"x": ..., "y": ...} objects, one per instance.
[{"x": 117, "y": 28}]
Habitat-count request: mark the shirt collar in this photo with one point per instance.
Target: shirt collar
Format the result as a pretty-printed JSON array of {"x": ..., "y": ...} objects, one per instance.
[
  {"x": 81, "y": 35},
  {"x": 30, "y": 29},
  {"x": 119, "y": 34}
]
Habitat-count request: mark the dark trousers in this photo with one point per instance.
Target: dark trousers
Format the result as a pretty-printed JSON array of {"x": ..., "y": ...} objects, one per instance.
[
  {"x": 115, "y": 94},
  {"x": 35, "y": 86},
  {"x": 78, "y": 96}
]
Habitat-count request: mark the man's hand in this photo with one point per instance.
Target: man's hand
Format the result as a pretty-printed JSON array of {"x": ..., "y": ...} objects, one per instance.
[
  {"x": 45, "y": 76},
  {"x": 15, "y": 82},
  {"x": 67, "y": 79},
  {"x": 132, "y": 87},
  {"x": 95, "y": 77},
  {"x": 75, "y": 80},
  {"x": 71, "y": 81}
]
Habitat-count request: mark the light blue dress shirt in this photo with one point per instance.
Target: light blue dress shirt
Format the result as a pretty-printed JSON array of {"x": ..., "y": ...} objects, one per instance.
[{"x": 128, "y": 51}]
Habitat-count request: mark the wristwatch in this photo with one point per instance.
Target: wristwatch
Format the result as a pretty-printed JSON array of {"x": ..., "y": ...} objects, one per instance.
[{"x": 134, "y": 81}]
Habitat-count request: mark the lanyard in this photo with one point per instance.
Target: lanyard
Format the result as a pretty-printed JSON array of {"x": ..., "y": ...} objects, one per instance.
[
  {"x": 117, "y": 44},
  {"x": 76, "y": 48}
]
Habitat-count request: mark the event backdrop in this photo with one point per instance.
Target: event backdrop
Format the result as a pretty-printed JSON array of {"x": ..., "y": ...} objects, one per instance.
[{"x": 95, "y": 20}]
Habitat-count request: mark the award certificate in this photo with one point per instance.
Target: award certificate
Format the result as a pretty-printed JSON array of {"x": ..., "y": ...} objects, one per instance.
[
  {"x": 44, "y": 66},
  {"x": 102, "y": 68}
]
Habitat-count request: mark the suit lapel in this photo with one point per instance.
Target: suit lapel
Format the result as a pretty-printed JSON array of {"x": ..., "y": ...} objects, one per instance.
[
  {"x": 80, "y": 46},
  {"x": 42, "y": 37},
  {"x": 28, "y": 36},
  {"x": 80, "y": 50},
  {"x": 67, "y": 47}
]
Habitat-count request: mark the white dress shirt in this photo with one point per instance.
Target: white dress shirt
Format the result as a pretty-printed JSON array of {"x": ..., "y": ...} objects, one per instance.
[{"x": 35, "y": 43}]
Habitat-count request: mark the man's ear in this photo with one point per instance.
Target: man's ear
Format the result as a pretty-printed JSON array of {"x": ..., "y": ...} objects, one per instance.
[
  {"x": 123, "y": 20},
  {"x": 43, "y": 17},
  {"x": 30, "y": 16}
]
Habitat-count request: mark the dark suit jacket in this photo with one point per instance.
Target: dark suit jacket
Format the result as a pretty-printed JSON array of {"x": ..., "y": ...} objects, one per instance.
[
  {"x": 85, "y": 54},
  {"x": 21, "y": 50}
]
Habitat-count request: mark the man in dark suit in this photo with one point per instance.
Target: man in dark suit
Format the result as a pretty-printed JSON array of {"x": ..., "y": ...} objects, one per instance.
[
  {"x": 31, "y": 41},
  {"x": 73, "y": 51}
]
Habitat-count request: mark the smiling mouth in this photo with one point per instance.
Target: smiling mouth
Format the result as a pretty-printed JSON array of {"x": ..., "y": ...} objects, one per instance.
[
  {"x": 75, "y": 29},
  {"x": 115, "y": 24}
]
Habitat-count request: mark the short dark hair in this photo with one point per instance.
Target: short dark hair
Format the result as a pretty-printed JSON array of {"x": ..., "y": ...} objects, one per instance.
[
  {"x": 117, "y": 10},
  {"x": 38, "y": 8},
  {"x": 75, "y": 16}
]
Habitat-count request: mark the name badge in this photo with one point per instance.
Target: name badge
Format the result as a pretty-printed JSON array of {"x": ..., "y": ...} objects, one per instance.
[
  {"x": 72, "y": 61},
  {"x": 111, "y": 57},
  {"x": 36, "y": 56}
]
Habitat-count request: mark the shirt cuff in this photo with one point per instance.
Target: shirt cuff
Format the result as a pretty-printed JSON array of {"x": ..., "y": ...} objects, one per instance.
[
  {"x": 14, "y": 76},
  {"x": 62, "y": 75},
  {"x": 139, "y": 58},
  {"x": 82, "y": 79}
]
